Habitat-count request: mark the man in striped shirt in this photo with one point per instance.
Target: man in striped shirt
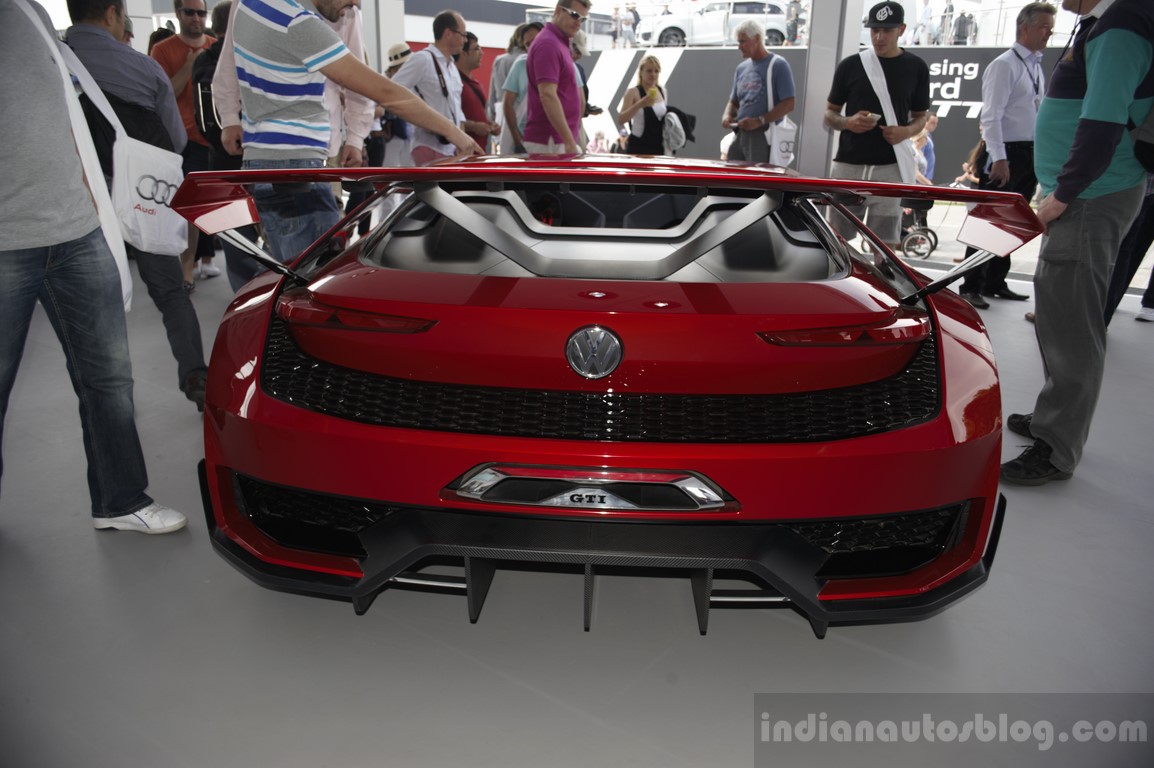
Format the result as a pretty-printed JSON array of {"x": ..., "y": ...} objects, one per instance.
[{"x": 284, "y": 51}]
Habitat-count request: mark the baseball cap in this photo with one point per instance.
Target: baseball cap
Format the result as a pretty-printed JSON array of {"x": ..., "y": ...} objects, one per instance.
[
  {"x": 886, "y": 15},
  {"x": 579, "y": 43},
  {"x": 398, "y": 52}
]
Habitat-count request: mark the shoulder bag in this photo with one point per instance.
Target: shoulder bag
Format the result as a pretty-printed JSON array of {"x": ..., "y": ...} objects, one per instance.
[
  {"x": 782, "y": 135},
  {"x": 903, "y": 150}
]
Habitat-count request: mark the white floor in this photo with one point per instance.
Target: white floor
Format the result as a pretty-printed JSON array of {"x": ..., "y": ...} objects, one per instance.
[{"x": 123, "y": 650}]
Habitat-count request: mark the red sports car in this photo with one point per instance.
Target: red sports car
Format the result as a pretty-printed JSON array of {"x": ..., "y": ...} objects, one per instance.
[{"x": 600, "y": 362}]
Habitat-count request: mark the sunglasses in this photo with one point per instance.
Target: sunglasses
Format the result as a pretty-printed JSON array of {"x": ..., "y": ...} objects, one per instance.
[
  {"x": 193, "y": 12},
  {"x": 574, "y": 15}
]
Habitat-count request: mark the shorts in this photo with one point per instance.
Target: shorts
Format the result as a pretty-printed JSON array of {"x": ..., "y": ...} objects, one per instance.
[{"x": 883, "y": 215}]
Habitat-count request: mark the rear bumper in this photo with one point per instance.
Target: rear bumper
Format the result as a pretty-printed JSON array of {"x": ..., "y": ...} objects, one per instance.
[{"x": 772, "y": 555}]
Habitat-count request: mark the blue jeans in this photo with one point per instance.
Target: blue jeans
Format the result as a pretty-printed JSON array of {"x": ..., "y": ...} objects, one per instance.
[
  {"x": 163, "y": 277},
  {"x": 293, "y": 218},
  {"x": 78, "y": 284}
]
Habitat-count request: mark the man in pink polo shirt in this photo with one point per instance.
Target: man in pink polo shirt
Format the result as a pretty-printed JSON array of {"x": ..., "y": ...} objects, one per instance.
[{"x": 552, "y": 124}]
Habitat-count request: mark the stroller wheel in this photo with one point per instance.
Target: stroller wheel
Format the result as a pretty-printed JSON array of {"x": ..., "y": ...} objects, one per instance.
[
  {"x": 933, "y": 238},
  {"x": 918, "y": 244}
]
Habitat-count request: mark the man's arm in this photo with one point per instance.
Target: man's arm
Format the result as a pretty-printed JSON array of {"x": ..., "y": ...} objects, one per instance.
[
  {"x": 226, "y": 91},
  {"x": 168, "y": 111},
  {"x": 731, "y": 108},
  {"x": 554, "y": 110},
  {"x": 357, "y": 110},
  {"x": 182, "y": 76},
  {"x": 895, "y": 134},
  {"x": 353, "y": 74},
  {"x": 761, "y": 122},
  {"x": 834, "y": 120},
  {"x": 509, "y": 107},
  {"x": 996, "y": 84},
  {"x": 496, "y": 80}
]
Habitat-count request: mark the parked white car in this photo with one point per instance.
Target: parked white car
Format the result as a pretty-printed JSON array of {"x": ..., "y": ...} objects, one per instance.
[{"x": 712, "y": 24}]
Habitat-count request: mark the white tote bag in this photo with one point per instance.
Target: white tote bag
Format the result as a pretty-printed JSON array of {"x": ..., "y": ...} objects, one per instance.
[
  {"x": 903, "y": 150},
  {"x": 780, "y": 136},
  {"x": 144, "y": 181}
]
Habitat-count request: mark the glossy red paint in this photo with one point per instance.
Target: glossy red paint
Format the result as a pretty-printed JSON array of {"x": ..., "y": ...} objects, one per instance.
[{"x": 541, "y": 314}]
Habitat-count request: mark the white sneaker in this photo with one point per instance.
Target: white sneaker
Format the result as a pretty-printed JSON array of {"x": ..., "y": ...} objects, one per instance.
[
  {"x": 205, "y": 271},
  {"x": 152, "y": 519},
  {"x": 1145, "y": 314}
]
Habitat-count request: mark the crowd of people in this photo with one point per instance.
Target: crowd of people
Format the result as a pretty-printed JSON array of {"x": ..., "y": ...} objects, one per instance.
[
  {"x": 292, "y": 90},
  {"x": 941, "y": 26}
]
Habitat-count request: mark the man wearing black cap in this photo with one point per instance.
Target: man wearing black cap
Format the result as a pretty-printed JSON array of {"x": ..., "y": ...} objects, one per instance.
[{"x": 872, "y": 146}]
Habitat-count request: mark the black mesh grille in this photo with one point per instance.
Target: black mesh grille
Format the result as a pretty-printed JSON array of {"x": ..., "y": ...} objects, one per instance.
[
  {"x": 883, "y": 546},
  {"x": 334, "y": 513},
  {"x": 909, "y": 397},
  {"x": 311, "y": 521},
  {"x": 864, "y": 534}
]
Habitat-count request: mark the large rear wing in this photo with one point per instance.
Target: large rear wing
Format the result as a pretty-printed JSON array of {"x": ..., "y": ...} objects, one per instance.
[{"x": 997, "y": 224}]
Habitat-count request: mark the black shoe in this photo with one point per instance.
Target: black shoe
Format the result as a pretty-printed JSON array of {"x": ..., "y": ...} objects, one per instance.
[
  {"x": 1019, "y": 424},
  {"x": 1005, "y": 293},
  {"x": 976, "y": 299},
  {"x": 194, "y": 389},
  {"x": 1033, "y": 467}
]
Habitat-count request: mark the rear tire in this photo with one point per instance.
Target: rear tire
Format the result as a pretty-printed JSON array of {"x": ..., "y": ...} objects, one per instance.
[{"x": 773, "y": 37}]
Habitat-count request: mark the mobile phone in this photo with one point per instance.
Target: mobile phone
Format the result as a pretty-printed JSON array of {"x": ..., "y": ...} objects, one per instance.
[{"x": 875, "y": 116}]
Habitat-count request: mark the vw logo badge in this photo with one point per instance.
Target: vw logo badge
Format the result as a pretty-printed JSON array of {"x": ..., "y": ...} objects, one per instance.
[{"x": 593, "y": 352}]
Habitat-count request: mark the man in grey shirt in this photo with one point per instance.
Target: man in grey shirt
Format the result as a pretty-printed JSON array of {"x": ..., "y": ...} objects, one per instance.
[
  {"x": 130, "y": 78},
  {"x": 54, "y": 251}
]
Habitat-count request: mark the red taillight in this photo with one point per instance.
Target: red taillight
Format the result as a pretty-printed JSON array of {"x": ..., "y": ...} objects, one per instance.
[
  {"x": 904, "y": 328},
  {"x": 299, "y": 308}
]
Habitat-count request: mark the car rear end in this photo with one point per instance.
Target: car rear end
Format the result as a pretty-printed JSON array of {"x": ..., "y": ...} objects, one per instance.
[{"x": 701, "y": 377}]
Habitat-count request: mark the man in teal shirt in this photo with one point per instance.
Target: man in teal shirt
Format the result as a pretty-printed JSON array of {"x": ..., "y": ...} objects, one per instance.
[{"x": 1093, "y": 185}]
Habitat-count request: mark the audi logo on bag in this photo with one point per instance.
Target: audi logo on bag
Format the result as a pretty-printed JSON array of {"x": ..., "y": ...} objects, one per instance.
[{"x": 156, "y": 190}]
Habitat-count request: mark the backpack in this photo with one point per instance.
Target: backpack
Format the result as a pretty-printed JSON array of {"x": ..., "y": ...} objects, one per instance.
[{"x": 203, "y": 109}]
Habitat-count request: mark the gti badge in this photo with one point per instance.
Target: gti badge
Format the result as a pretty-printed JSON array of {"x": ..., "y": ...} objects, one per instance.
[{"x": 593, "y": 352}]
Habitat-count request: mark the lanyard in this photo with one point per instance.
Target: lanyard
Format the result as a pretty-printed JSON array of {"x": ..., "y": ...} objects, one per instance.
[
  {"x": 444, "y": 89},
  {"x": 1034, "y": 79}
]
